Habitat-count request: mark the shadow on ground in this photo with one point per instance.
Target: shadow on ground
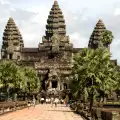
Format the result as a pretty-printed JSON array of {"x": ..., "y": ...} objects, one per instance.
[{"x": 61, "y": 110}]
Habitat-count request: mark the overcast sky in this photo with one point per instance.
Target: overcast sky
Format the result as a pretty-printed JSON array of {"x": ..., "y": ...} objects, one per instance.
[{"x": 81, "y": 17}]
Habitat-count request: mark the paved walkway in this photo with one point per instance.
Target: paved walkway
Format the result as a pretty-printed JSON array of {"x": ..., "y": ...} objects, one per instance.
[{"x": 42, "y": 112}]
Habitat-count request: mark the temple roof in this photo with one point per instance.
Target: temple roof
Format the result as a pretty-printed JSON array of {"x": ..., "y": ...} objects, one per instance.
[
  {"x": 75, "y": 50},
  {"x": 11, "y": 33},
  {"x": 55, "y": 21},
  {"x": 29, "y": 50},
  {"x": 96, "y": 35}
]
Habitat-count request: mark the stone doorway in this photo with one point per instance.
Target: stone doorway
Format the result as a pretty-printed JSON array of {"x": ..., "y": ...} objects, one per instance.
[
  {"x": 54, "y": 84},
  {"x": 65, "y": 86},
  {"x": 10, "y": 56}
]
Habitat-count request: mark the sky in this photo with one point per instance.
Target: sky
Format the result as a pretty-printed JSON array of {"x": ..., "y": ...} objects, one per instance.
[{"x": 80, "y": 16}]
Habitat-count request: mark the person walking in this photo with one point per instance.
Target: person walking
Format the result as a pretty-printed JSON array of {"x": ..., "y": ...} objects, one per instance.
[
  {"x": 28, "y": 104},
  {"x": 61, "y": 101},
  {"x": 42, "y": 100},
  {"x": 47, "y": 100},
  {"x": 34, "y": 102},
  {"x": 56, "y": 101},
  {"x": 52, "y": 101}
]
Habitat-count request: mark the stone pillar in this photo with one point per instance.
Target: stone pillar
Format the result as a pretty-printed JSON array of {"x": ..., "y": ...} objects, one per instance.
[
  {"x": 50, "y": 84},
  {"x": 62, "y": 86},
  {"x": 7, "y": 56},
  {"x": 115, "y": 115},
  {"x": 58, "y": 86}
]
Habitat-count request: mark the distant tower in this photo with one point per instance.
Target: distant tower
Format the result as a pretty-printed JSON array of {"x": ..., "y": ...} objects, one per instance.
[
  {"x": 94, "y": 41},
  {"x": 12, "y": 41},
  {"x": 55, "y": 22}
]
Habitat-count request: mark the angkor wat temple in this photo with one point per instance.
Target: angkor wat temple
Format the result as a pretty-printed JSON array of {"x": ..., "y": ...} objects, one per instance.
[{"x": 52, "y": 59}]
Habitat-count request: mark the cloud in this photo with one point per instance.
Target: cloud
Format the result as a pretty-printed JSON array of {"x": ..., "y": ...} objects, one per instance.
[
  {"x": 21, "y": 17},
  {"x": 4, "y": 1},
  {"x": 78, "y": 40},
  {"x": 117, "y": 11}
]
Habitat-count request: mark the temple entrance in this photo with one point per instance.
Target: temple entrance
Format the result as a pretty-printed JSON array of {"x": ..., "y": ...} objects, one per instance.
[
  {"x": 65, "y": 85},
  {"x": 10, "y": 56},
  {"x": 54, "y": 84}
]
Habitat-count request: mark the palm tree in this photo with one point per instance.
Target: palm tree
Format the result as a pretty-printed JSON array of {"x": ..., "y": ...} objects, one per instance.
[
  {"x": 107, "y": 37},
  {"x": 93, "y": 71}
]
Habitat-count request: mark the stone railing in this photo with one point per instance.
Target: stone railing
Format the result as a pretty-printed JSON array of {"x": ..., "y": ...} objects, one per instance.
[
  {"x": 81, "y": 109},
  {"x": 6, "y": 107},
  {"x": 105, "y": 114},
  {"x": 97, "y": 113}
]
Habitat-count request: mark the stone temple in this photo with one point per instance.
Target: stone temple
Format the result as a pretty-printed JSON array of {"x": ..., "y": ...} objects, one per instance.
[{"x": 52, "y": 59}]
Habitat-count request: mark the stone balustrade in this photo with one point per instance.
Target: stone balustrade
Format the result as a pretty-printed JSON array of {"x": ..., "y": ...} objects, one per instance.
[
  {"x": 97, "y": 113},
  {"x": 6, "y": 107}
]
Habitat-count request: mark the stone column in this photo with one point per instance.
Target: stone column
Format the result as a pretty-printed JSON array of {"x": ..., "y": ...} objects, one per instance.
[
  {"x": 58, "y": 85},
  {"x": 50, "y": 84},
  {"x": 62, "y": 86},
  {"x": 7, "y": 56}
]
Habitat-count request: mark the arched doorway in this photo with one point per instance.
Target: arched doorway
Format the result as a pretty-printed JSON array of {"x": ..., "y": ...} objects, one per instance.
[
  {"x": 54, "y": 83},
  {"x": 64, "y": 85}
]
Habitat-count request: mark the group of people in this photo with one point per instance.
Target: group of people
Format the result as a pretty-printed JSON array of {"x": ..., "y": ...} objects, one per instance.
[
  {"x": 53, "y": 101},
  {"x": 33, "y": 103}
]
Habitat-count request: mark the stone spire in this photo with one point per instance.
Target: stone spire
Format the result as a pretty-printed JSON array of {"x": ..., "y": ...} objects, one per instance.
[
  {"x": 12, "y": 38},
  {"x": 95, "y": 37},
  {"x": 55, "y": 22},
  {"x": 12, "y": 33}
]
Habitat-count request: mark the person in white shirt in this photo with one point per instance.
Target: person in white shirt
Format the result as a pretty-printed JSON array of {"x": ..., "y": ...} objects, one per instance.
[
  {"x": 52, "y": 101},
  {"x": 47, "y": 100},
  {"x": 42, "y": 100},
  {"x": 34, "y": 102},
  {"x": 56, "y": 101}
]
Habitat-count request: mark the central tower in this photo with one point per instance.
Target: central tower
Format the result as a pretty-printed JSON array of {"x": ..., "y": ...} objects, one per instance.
[
  {"x": 55, "y": 22},
  {"x": 56, "y": 52}
]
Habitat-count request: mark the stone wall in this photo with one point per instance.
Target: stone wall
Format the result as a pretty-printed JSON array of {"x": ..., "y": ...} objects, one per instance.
[{"x": 97, "y": 113}]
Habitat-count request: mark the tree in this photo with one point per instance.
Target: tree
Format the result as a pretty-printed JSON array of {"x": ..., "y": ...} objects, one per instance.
[
  {"x": 31, "y": 82},
  {"x": 18, "y": 78},
  {"x": 107, "y": 37},
  {"x": 93, "y": 71},
  {"x": 7, "y": 71}
]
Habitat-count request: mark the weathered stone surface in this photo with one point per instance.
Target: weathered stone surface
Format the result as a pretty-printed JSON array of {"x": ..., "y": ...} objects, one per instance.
[
  {"x": 55, "y": 22},
  {"x": 12, "y": 39},
  {"x": 94, "y": 41}
]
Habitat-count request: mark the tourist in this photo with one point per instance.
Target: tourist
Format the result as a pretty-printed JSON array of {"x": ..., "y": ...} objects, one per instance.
[
  {"x": 47, "y": 100},
  {"x": 52, "y": 101},
  {"x": 34, "y": 102},
  {"x": 42, "y": 100},
  {"x": 56, "y": 101},
  {"x": 28, "y": 104},
  {"x": 61, "y": 101}
]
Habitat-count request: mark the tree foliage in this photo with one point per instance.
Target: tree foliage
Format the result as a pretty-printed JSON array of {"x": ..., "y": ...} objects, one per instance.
[
  {"x": 107, "y": 37},
  {"x": 12, "y": 76},
  {"x": 93, "y": 72}
]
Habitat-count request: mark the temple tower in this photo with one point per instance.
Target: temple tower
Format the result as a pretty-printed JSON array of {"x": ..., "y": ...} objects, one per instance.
[
  {"x": 94, "y": 41},
  {"x": 55, "y": 22},
  {"x": 12, "y": 41},
  {"x": 57, "y": 52}
]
